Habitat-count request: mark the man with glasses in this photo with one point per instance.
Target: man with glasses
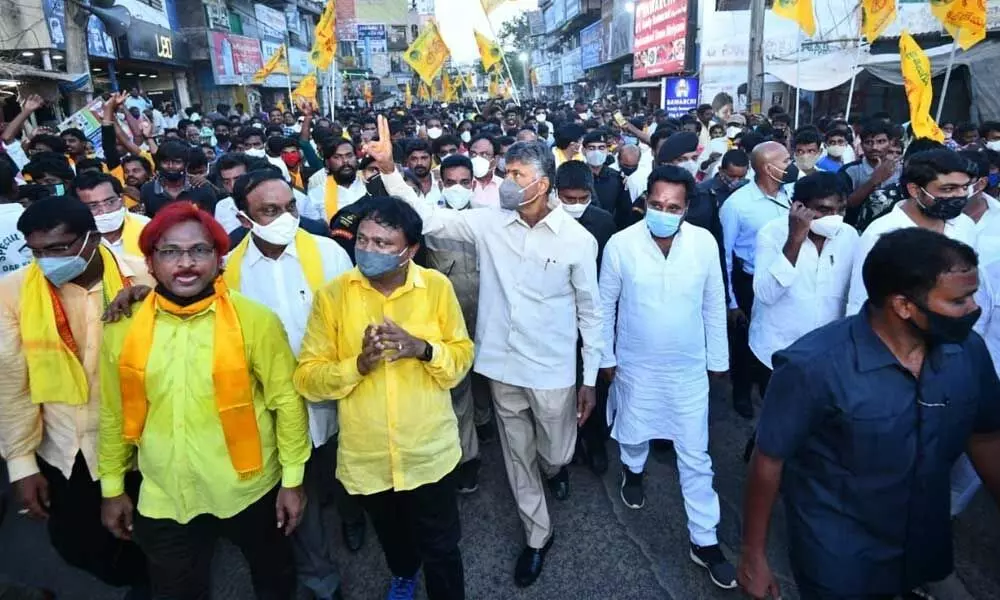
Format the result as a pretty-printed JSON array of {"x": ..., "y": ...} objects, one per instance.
[
  {"x": 483, "y": 151},
  {"x": 119, "y": 229},
  {"x": 198, "y": 384},
  {"x": 336, "y": 186},
  {"x": 50, "y": 335}
]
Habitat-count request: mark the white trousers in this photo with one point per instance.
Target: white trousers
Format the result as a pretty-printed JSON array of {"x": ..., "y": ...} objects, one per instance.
[
  {"x": 964, "y": 484},
  {"x": 700, "y": 500}
]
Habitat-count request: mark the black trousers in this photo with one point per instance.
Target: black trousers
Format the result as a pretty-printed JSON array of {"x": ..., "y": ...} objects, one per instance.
[
  {"x": 76, "y": 531},
  {"x": 744, "y": 370},
  {"x": 421, "y": 527},
  {"x": 180, "y": 556},
  {"x": 595, "y": 430}
]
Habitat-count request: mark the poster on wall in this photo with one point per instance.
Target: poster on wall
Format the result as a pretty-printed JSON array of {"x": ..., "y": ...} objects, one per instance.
[
  {"x": 55, "y": 19},
  {"x": 235, "y": 58},
  {"x": 680, "y": 95},
  {"x": 397, "y": 38},
  {"x": 271, "y": 23},
  {"x": 660, "y": 37},
  {"x": 591, "y": 42}
]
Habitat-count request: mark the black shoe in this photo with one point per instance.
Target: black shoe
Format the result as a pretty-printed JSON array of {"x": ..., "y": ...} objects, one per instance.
[
  {"x": 559, "y": 485},
  {"x": 529, "y": 564},
  {"x": 467, "y": 477},
  {"x": 598, "y": 456},
  {"x": 743, "y": 407},
  {"x": 354, "y": 534},
  {"x": 631, "y": 489},
  {"x": 723, "y": 574},
  {"x": 486, "y": 433}
]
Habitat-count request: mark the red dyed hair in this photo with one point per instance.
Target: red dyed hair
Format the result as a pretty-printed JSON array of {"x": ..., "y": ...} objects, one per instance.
[{"x": 176, "y": 213}]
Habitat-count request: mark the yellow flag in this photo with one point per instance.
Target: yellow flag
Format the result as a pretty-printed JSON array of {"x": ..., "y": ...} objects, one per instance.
[
  {"x": 917, "y": 82},
  {"x": 306, "y": 89},
  {"x": 488, "y": 51},
  {"x": 449, "y": 89},
  {"x": 408, "y": 96},
  {"x": 800, "y": 11},
  {"x": 275, "y": 64},
  {"x": 423, "y": 93},
  {"x": 491, "y": 5},
  {"x": 877, "y": 15},
  {"x": 534, "y": 76},
  {"x": 494, "y": 87},
  {"x": 470, "y": 84},
  {"x": 965, "y": 20},
  {"x": 368, "y": 92},
  {"x": 427, "y": 53},
  {"x": 325, "y": 42}
]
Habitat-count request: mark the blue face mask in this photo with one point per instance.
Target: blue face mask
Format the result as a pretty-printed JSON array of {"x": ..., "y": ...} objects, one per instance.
[
  {"x": 662, "y": 224},
  {"x": 993, "y": 180},
  {"x": 376, "y": 264},
  {"x": 629, "y": 140},
  {"x": 63, "y": 269}
]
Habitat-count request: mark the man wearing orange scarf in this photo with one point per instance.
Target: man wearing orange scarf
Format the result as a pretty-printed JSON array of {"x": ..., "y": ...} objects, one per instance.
[
  {"x": 50, "y": 336},
  {"x": 197, "y": 383}
]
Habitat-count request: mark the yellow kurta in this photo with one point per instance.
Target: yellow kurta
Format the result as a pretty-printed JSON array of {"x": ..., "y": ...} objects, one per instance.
[
  {"x": 183, "y": 458},
  {"x": 397, "y": 427}
]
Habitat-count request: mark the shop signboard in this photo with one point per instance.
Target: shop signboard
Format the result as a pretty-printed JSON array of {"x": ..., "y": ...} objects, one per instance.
[
  {"x": 270, "y": 23},
  {"x": 293, "y": 20},
  {"x": 591, "y": 41},
  {"x": 571, "y": 70},
  {"x": 55, "y": 20},
  {"x": 99, "y": 43},
  {"x": 680, "y": 95},
  {"x": 152, "y": 43},
  {"x": 397, "y": 38},
  {"x": 235, "y": 58},
  {"x": 660, "y": 37}
]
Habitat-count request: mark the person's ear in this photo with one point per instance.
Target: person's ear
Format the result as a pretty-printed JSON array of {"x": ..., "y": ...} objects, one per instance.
[
  {"x": 244, "y": 220},
  {"x": 904, "y": 308},
  {"x": 913, "y": 190}
]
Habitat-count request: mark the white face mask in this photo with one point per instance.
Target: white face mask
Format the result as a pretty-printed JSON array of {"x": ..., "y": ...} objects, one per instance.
[
  {"x": 480, "y": 167},
  {"x": 456, "y": 196},
  {"x": 828, "y": 226},
  {"x": 256, "y": 153},
  {"x": 434, "y": 133},
  {"x": 994, "y": 145},
  {"x": 112, "y": 221},
  {"x": 732, "y": 132},
  {"x": 466, "y": 137},
  {"x": 279, "y": 232},
  {"x": 576, "y": 210},
  {"x": 596, "y": 158},
  {"x": 836, "y": 151},
  {"x": 540, "y": 117},
  {"x": 691, "y": 166}
]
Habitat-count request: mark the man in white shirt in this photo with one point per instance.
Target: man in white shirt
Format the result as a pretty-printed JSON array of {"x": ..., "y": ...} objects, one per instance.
[
  {"x": 936, "y": 184},
  {"x": 119, "y": 228},
  {"x": 537, "y": 289},
  {"x": 230, "y": 167},
  {"x": 336, "y": 186},
  {"x": 170, "y": 116},
  {"x": 983, "y": 209},
  {"x": 742, "y": 215},
  {"x": 483, "y": 151},
  {"x": 418, "y": 160},
  {"x": 281, "y": 266},
  {"x": 13, "y": 252},
  {"x": 803, "y": 268},
  {"x": 665, "y": 278}
]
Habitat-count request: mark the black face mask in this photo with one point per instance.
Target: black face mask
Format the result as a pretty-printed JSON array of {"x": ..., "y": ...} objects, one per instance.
[
  {"x": 942, "y": 329},
  {"x": 945, "y": 209},
  {"x": 172, "y": 176},
  {"x": 626, "y": 171},
  {"x": 222, "y": 138},
  {"x": 791, "y": 174}
]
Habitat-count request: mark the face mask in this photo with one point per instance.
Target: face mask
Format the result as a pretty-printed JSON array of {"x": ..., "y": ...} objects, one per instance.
[
  {"x": 222, "y": 138},
  {"x": 540, "y": 117},
  {"x": 691, "y": 166},
  {"x": 626, "y": 171},
  {"x": 790, "y": 175},
  {"x": 62, "y": 269},
  {"x": 291, "y": 159},
  {"x": 828, "y": 226},
  {"x": 258, "y": 126},
  {"x": 629, "y": 140},
  {"x": 256, "y": 152},
  {"x": 511, "y": 195},
  {"x": 596, "y": 158},
  {"x": 993, "y": 145},
  {"x": 662, "y": 224},
  {"x": 111, "y": 221},
  {"x": 480, "y": 167},
  {"x": 172, "y": 176},
  {"x": 806, "y": 162},
  {"x": 732, "y": 132},
  {"x": 576, "y": 210},
  {"x": 732, "y": 184},
  {"x": 836, "y": 151},
  {"x": 376, "y": 264},
  {"x": 466, "y": 137},
  {"x": 434, "y": 133},
  {"x": 993, "y": 180},
  {"x": 942, "y": 329},
  {"x": 456, "y": 196},
  {"x": 944, "y": 209},
  {"x": 279, "y": 232}
]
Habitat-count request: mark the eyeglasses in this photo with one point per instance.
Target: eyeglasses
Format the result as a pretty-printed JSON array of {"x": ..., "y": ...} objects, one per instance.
[
  {"x": 112, "y": 203},
  {"x": 54, "y": 250},
  {"x": 486, "y": 155},
  {"x": 196, "y": 253}
]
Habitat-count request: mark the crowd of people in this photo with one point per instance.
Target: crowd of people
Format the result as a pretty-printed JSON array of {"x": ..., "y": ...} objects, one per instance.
[{"x": 216, "y": 323}]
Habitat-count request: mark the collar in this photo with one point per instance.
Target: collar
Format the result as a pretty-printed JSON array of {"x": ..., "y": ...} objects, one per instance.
[
  {"x": 554, "y": 220},
  {"x": 762, "y": 194},
  {"x": 493, "y": 181},
  {"x": 254, "y": 255},
  {"x": 872, "y": 352}
]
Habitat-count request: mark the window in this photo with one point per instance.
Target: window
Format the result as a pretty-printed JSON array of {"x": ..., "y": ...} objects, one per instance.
[{"x": 157, "y": 4}]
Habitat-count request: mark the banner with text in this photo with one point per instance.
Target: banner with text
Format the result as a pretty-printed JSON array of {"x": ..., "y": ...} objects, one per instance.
[{"x": 660, "y": 37}]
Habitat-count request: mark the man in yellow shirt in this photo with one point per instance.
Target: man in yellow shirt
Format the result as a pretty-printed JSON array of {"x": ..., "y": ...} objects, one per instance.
[
  {"x": 103, "y": 195},
  {"x": 50, "y": 335},
  {"x": 198, "y": 381},
  {"x": 388, "y": 341}
]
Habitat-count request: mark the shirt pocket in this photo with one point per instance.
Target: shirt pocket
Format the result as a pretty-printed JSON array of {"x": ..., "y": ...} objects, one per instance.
[
  {"x": 544, "y": 278},
  {"x": 879, "y": 444}
]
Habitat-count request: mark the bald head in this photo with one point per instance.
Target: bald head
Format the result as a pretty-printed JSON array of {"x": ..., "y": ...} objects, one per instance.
[
  {"x": 629, "y": 153},
  {"x": 767, "y": 152}
]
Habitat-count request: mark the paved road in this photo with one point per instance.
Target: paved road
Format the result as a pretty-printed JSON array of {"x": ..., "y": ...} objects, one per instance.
[{"x": 602, "y": 550}]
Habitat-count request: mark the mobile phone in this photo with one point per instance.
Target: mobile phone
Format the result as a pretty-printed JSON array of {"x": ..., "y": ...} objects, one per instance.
[{"x": 620, "y": 118}]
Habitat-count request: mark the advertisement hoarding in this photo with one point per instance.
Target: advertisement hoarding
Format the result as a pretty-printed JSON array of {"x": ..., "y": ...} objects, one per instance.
[
  {"x": 680, "y": 95},
  {"x": 660, "y": 37},
  {"x": 591, "y": 42},
  {"x": 235, "y": 58}
]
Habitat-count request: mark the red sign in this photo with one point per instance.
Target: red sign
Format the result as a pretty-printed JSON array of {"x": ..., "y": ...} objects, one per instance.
[
  {"x": 235, "y": 58},
  {"x": 660, "y": 37}
]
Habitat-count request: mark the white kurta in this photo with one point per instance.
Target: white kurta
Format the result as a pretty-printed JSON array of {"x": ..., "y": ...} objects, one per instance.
[{"x": 671, "y": 331}]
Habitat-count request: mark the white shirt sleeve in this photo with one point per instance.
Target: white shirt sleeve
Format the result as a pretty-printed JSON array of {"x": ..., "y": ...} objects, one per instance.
[
  {"x": 774, "y": 274},
  {"x": 583, "y": 277},
  {"x": 611, "y": 287},
  {"x": 335, "y": 259},
  {"x": 714, "y": 312},
  {"x": 857, "y": 294},
  {"x": 460, "y": 225},
  {"x": 729, "y": 218}
]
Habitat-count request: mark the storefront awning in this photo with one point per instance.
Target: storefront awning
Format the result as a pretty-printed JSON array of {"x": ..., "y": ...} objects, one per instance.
[
  {"x": 639, "y": 85},
  {"x": 10, "y": 70}
]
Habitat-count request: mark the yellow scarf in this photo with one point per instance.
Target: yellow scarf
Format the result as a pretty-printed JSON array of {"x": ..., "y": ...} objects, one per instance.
[
  {"x": 230, "y": 375},
  {"x": 309, "y": 257},
  {"x": 55, "y": 373},
  {"x": 130, "y": 236},
  {"x": 296, "y": 179},
  {"x": 560, "y": 155},
  {"x": 330, "y": 201}
]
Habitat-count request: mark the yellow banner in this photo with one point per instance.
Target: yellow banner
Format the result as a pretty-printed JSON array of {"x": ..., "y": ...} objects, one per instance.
[
  {"x": 964, "y": 20},
  {"x": 325, "y": 43},
  {"x": 368, "y": 92},
  {"x": 306, "y": 89},
  {"x": 800, "y": 11},
  {"x": 877, "y": 15},
  {"x": 491, "y": 5},
  {"x": 489, "y": 52},
  {"x": 427, "y": 54},
  {"x": 275, "y": 64},
  {"x": 494, "y": 87},
  {"x": 449, "y": 90},
  {"x": 917, "y": 82}
]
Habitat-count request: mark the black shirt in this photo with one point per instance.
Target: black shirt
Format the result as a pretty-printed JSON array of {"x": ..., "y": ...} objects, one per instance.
[
  {"x": 868, "y": 452},
  {"x": 601, "y": 225},
  {"x": 613, "y": 196},
  {"x": 153, "y": 197}
]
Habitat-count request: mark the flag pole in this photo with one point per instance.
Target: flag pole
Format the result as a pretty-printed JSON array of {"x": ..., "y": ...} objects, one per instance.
[
  {"x": 288, "y": 66},
  {"x": 854, "y": 77},
  {"x": 947, "y": 75},
  {"x": 503, "y": 55},
  {"x": 798, "y": 76}
]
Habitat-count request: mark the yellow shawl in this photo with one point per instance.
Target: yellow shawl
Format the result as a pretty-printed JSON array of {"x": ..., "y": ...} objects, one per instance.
[
  {"x": 309, "y": 257},
  {"x": 230, "y": 375},
  {"x": 130, "y": 236},
  {"x": 330, "y": 202},
  {"x": 55, "y": 373}
]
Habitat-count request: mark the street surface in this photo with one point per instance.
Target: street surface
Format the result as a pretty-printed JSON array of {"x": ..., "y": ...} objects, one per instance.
[{"x": 602, "y": 549}]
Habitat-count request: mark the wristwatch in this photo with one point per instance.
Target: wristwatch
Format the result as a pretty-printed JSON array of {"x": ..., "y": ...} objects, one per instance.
[{"x": 428, "y": 352}]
